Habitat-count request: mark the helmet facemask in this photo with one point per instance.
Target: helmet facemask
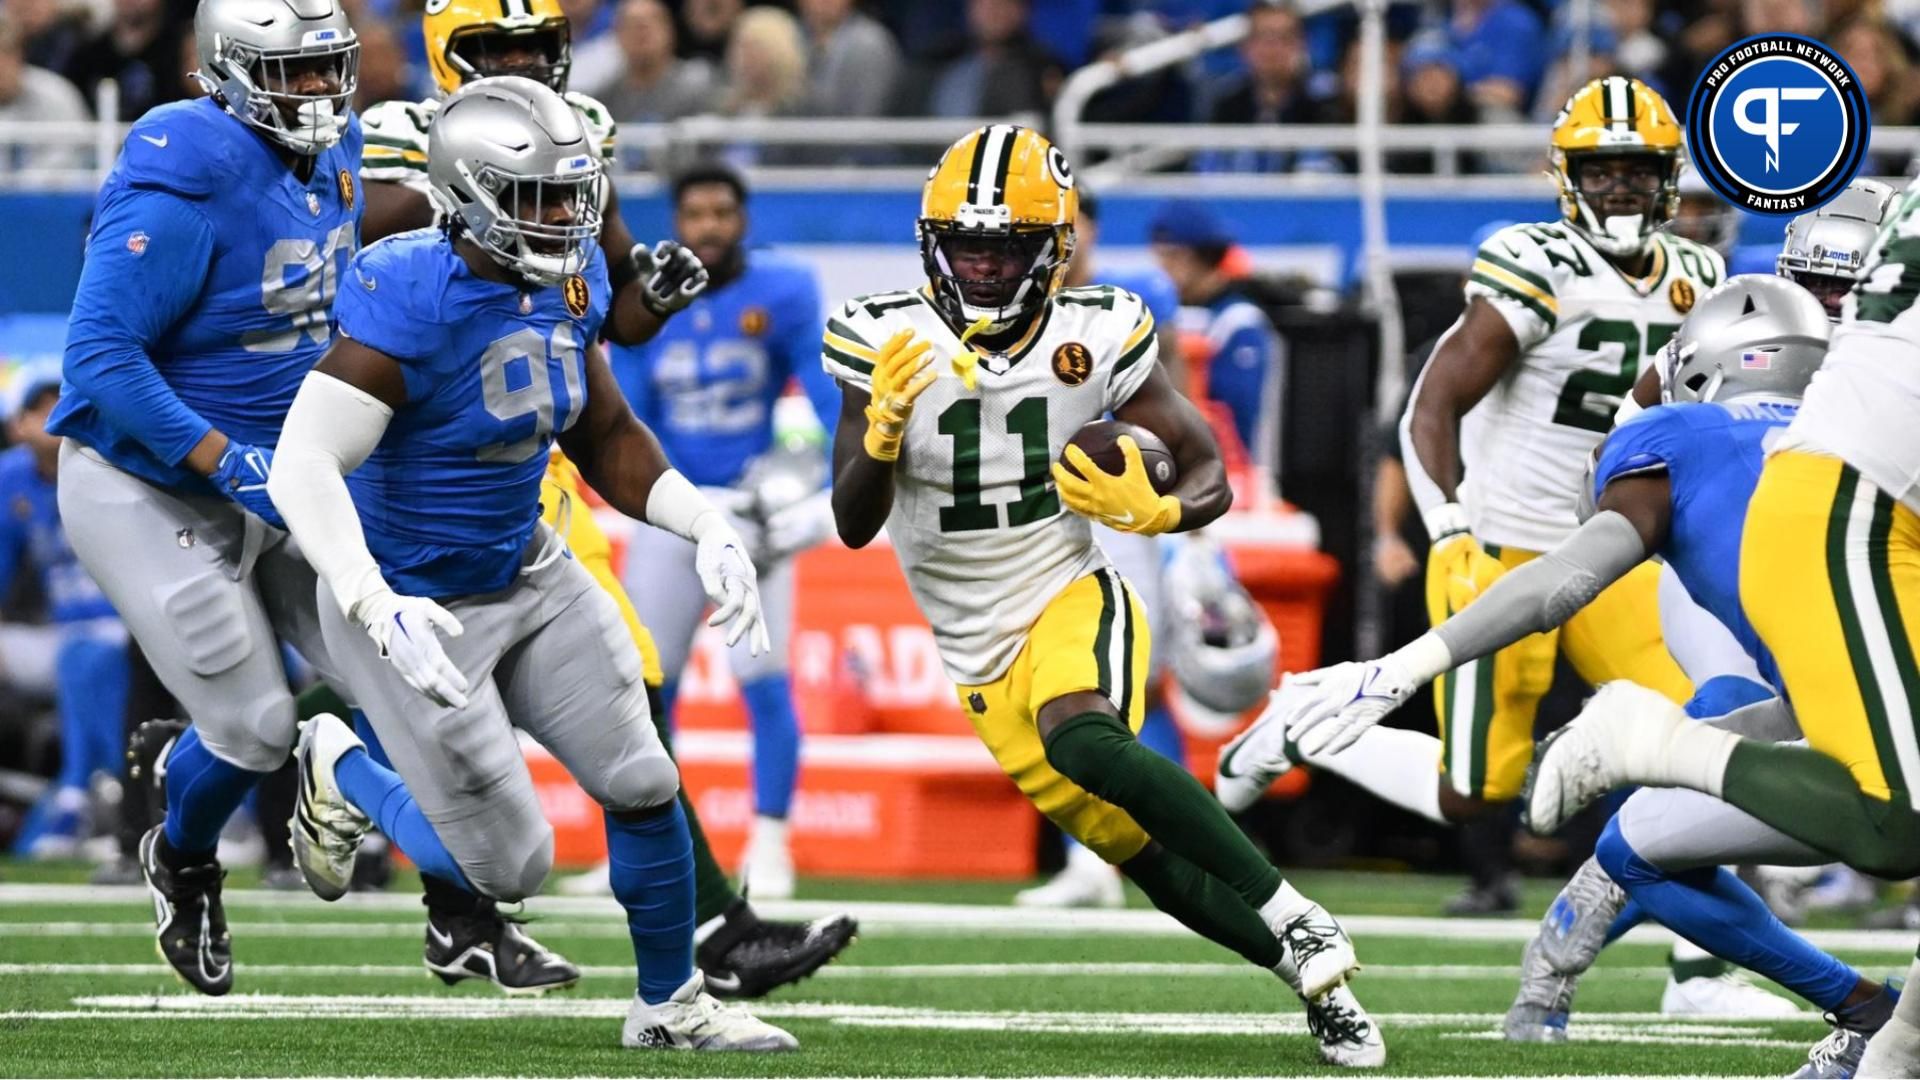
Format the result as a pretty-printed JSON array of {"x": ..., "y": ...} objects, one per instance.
[
  {"x": 982, "y": 267},
  {"x": 540, "y": 227},
  {"x": 1618, "y": 198},
  {"x": 480, "y": 52},
  {"x": 274, "y": 91}
]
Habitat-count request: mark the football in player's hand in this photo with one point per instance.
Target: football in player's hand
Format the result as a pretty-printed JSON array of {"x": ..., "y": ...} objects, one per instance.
[{"x": 1100, "y": 441}]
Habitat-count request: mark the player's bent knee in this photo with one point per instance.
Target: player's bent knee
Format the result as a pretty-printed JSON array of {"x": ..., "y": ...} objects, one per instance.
[
  {"x": 1615, "y": 855},
  {"x": 257, "y": 736},
  {"x": 640, "y": 782},
  {"x": 519, "y": 869}
]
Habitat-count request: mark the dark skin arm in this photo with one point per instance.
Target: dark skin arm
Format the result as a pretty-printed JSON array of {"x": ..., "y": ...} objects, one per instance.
[
  {"x": 366, "y": 369},
  {"x": 629, "y": 322},
  {"x": 1202, "y": 488},
  {"x": 1646, "y": 501},
  {"x": 616, "y": 453},
  {"x": 862, "y": 487},
  {"x": 1466, "y": 364},
  {"x": 393, "y": 208},
  {"x": 1646, "y": 389}
]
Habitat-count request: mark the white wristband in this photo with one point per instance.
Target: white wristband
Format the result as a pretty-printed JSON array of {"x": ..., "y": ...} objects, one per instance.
[
  {"x": 677, "y": 506},
  {"x": 1424, "y": 659},
  {"x": 1445, "y": 520}
]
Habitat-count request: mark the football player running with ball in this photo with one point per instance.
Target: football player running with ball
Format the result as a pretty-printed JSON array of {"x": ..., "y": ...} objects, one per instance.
[
  {"x": 411, "y": 468},
  {"x": 957, "y": 399}
]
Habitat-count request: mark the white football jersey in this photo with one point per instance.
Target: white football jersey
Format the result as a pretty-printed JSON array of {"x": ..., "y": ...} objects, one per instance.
[
  {"x": 1585, "y": 330},
  {"x": 1864, "y": 403},
  {"x": 978, "y": 527},
  {"x": 395, "y": 150}
]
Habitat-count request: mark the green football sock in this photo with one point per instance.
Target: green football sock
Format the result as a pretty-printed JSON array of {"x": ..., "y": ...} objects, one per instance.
[
  {"x": 712, "y": 890},
  {"x": 1097, "y": 752},
  {"x": 1814, "y": 799},
  {"x": 320, "y": 698},
  {"x": 1203, "y": 904}
]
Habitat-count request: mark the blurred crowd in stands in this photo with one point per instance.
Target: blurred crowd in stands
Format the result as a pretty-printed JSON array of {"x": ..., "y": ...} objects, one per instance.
[{"x": 1468, "y": 61}]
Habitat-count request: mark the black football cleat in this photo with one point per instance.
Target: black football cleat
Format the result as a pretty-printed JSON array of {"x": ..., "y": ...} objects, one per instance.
[
  {"x": 749, "y": 957},
  {"x": 191, "y": 923},
  {"x": 488, "y": 945}
]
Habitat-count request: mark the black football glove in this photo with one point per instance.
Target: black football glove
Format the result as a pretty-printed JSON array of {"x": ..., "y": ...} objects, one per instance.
[{"x": 671, "y": 276}]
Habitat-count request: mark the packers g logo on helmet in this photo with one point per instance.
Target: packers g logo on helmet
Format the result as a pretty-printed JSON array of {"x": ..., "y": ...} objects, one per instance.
[
  {"x": 1617, "y": 117},
  {"x": 464, "y": 38},
  {"x": 1001, "y": 192}
]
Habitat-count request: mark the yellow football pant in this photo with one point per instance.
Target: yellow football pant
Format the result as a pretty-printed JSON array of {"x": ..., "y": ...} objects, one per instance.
[
  {"x": 1487, "y": 706},
  {"x": 1830, "y": 577},
  {"x": 563, "y": 507},
  {"x": 1092, "y": 636}
]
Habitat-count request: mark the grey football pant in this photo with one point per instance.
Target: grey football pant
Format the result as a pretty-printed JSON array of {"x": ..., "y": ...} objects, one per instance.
[
  {"x": 549, "y": 655},
  {"x": 208, "y": 590}
]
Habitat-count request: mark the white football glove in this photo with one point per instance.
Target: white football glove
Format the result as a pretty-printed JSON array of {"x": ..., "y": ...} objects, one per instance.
[
  {"x": 671, "y": 276},
  {"x": 726, "y": 573},
  {"x": 800, "y": 526},
  {"x": 1343, "y": 702},
  {"x": 407, "y": 629}
]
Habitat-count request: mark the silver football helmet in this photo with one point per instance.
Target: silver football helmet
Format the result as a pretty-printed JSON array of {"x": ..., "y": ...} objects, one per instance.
[
  {"x": 510, "y": 161},
  {"x": 1754, "y": 335},
  {"x": 1223, "y": 646},
  {"x": 257, "y": 57},
  {"x": 1826, "y": 251}
]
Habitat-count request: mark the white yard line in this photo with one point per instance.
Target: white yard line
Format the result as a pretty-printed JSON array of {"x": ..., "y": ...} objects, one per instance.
[{"x": 1149, "y": 969}]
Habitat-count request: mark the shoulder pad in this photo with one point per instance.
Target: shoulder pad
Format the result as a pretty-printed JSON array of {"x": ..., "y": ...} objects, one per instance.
[
  {"x": 598, "y": 120},
  {"x": 184, "y": 147}
]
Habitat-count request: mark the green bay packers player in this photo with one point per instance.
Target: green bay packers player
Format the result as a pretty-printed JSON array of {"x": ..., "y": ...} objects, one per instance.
[
  {"x": 1830, "y": 579},
  {"x": 1561, "y": 318},
  {"x": 958, "y": 398},
  {"x": 741, "y": 954}
]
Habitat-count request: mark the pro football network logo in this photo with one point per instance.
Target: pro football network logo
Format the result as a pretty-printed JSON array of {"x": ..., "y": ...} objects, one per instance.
[{"x": 1778, "y": 124}]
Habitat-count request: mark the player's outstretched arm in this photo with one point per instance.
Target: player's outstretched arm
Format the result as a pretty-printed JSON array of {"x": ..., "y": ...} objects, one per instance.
[
  {"x": 1346, "y": 699},
  {"x": 649, "y": 284},
  {"x": 1202, "y": 489},
  {"x": 622, "y": 461}
]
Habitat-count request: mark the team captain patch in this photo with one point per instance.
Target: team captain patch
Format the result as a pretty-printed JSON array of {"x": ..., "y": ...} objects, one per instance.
[
  {"x": 1680, "y": 295},
  {"x": 346, "y": 189},
  {"x": 1072, "y": 363},
  {"x": 576, "y": 293}
]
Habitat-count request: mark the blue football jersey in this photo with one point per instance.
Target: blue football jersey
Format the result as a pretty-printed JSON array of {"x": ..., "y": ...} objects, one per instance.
[
  {"x": 707, "y": 383},
  {"x": 1712, "y": 455},
  {"x": 450, "y": 498},
  {"x": 207, "y": 290},
  {"x": 30, "y": 531}
]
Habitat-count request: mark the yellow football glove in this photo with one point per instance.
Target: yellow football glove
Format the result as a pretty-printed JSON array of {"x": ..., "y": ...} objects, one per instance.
[
  {"x": 1126, "y": 502},
  {"x": 1458, "y": 571},
  {"x": 903, "y": 371}
]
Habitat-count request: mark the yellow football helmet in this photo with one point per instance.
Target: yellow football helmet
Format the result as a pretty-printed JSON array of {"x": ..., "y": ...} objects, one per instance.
[
  {"x": 465, "y": 39},
  {"x": 1000, "y": 204},
  {"x": 1612, "y": 117}
]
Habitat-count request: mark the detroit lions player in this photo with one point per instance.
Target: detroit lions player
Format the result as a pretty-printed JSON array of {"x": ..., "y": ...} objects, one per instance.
[
  {"x": 706, "y": 385},
  {"x": 411, "y": 468},
  {"x": 90, "y": 669},
  {"x": 1673, "y": 482},
  {"x": 217, "y": 244}
]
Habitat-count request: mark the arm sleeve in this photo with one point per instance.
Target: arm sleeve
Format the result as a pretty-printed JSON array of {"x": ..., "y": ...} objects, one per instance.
[
  {"x": 330, "y": 429},
  {"x": 849, "y": 346},
  {"x": 796, "y": 353},
  {"x": 1512, "y": 272},
  {"x": 146, "y": 260},
  {"x": 1139, "y": 351},
  {"x": 1540, "y": 595}
]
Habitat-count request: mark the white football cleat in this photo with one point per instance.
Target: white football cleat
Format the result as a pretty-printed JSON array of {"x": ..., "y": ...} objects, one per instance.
[
  {"x": 1085, "y": 882},
  {"x": 1587, "y": 758},
  {"x": 1348, "y": 1037},
  {"x": 1255, "y": 758},
  {"x": 326, "y": 829},
  {"x": 693, "y": 1019},
  {"x": 1316, "y": 954},
  {"x": 768, "y": 866},
  {"x": 1730, "y": 994}
]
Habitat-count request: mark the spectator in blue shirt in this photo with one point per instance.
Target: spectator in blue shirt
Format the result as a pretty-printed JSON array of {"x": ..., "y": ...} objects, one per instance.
[{"x": 1499, "y": 48}]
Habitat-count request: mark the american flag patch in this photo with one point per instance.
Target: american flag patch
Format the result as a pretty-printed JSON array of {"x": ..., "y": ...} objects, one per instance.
[{"x": 1756, "y": 361}]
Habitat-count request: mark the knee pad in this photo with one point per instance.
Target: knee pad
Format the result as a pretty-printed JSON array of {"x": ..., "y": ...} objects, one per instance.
[
  {"x": 209, "y": 622},
  {"x": 638, "y": 782},
  {"x": 520, "y": 870},
  {"x": 256, "y": 736}
]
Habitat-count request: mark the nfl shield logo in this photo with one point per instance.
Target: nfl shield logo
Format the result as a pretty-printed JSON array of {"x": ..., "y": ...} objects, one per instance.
[
  {"x": 313, "y": 203},
  {"x": 1755, "y": 361},
  {"x": 137, "y": 242}
]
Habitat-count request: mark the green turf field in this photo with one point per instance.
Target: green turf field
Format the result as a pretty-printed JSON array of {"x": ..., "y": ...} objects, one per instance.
[{"x": 943, "y": 982}]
